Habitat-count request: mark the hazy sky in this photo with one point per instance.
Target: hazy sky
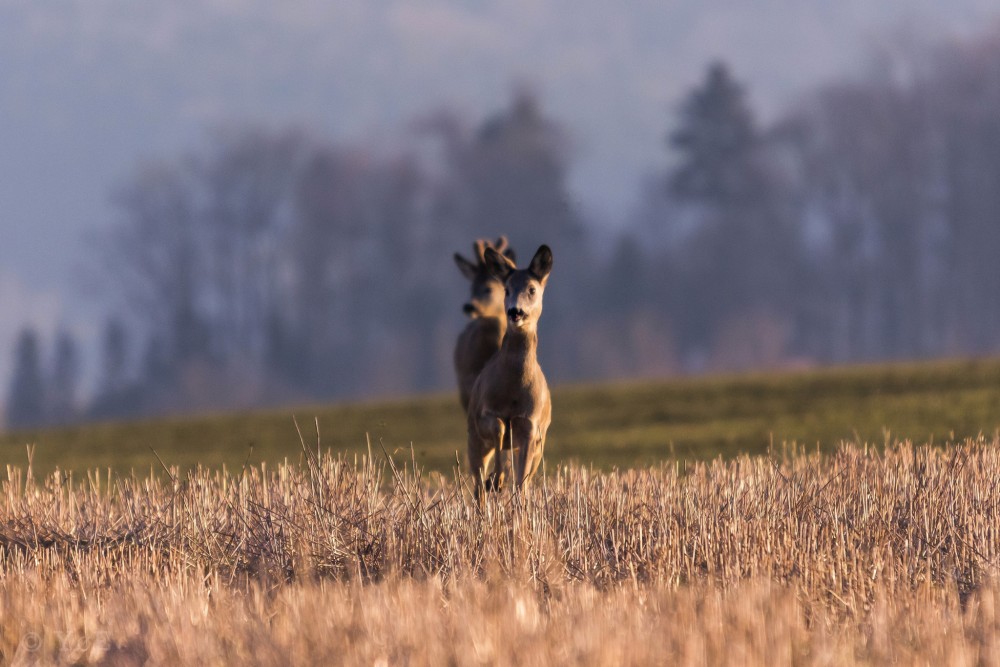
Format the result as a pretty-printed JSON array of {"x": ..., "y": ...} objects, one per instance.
[{"x": 90, "y": 87}]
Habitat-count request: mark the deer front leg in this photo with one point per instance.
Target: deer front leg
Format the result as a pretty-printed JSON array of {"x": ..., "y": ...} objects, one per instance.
[
  {"x": 525, "y": 444},
  {"x": 476, "y": 464},
  {"x": 504, "y": 451},
  {"x": 490, "y": 431},
  {"x": 539, "y": 449},
  {"x": 496, "y": 478}
]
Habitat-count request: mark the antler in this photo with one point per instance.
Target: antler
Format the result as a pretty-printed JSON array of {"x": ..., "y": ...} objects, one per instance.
[
  {"x": 501, "y": 245},
  {"x": 479, "y": 250}
]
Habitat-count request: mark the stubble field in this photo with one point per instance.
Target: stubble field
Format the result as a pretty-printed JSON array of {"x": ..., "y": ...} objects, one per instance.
[{"x": 858, "y": 557}]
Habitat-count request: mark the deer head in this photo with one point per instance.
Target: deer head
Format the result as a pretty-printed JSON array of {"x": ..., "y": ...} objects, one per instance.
[
  {"x": 486, "y": 298},
  {"x": 523, "y": 288}
]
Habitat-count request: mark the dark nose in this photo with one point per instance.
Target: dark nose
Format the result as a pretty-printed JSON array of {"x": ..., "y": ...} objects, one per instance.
[
  {"x": 515, "y": 314},
  {"x": 468, "y": 309}
]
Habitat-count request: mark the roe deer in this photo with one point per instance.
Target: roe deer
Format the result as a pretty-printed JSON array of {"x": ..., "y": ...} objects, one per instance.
[
  {"x": 510, "y": 407},
  {"x": 481, "y": 337}
]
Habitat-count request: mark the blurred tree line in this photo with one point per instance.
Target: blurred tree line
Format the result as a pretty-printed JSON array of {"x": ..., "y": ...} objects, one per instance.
[{"x": 862, "y": 224}]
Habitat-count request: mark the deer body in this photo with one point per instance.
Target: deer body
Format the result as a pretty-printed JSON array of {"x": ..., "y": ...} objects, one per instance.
[
  {"x": 510, "y": 407},
  {"x": 482, "y": 336},
  {"x": 476, "y": 345}
]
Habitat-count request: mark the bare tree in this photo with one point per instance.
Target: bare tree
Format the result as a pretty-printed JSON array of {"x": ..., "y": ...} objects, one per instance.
[
  {"x": 26, "y": 405},
  {"x": 965, "y": 102},
  {"x": 156, "y": 253},
  {"x": 246, "y": 179},
  {"x": 64, "y": 380},
  {"x": 118, "y": 393}
]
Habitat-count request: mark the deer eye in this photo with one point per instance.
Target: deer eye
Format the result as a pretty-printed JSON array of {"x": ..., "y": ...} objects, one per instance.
[{"x": 531, "y": 291}]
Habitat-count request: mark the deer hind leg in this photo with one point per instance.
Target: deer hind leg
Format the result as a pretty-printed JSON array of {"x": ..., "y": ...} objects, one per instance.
[{"x": 525, "y": 450}]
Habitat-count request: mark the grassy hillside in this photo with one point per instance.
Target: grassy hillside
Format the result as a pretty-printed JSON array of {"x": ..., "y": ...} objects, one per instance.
[{"x": 619, "y": 424}]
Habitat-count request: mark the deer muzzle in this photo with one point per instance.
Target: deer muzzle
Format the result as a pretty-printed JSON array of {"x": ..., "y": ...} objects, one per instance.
[{"x": 515, "y": 315}]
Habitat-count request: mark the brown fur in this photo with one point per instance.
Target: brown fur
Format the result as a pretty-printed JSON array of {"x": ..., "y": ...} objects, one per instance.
[
  {"x": 510, "y": 406},
  {"x": 481, "y": 338}
]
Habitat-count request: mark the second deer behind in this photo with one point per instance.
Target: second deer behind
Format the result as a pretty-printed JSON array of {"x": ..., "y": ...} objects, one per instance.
[{"x": 481, "y": 338}]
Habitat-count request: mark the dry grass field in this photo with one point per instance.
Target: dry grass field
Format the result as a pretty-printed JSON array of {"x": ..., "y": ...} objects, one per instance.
[{"x": 860, "y": 556}]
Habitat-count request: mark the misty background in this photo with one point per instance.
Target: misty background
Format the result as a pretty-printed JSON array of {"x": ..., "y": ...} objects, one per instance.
[{"x": 230, "y": 204}]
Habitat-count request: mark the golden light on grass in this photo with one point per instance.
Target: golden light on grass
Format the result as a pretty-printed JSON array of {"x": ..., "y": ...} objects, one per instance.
[{"x": 857, "y": 557}]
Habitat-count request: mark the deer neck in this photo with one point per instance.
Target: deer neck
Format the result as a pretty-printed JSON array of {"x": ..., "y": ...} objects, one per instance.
[
  {"x": 519, "y": 347},
  {"x": 491, "y": 327},
  {"x": 499, "y": 316}
]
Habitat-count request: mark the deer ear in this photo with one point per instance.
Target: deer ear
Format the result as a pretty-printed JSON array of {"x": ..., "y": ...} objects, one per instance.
[
  {"x": 498, "y": 265},
  {"x": 468, "y": 269},
  {"x": 541, "y": 263}
]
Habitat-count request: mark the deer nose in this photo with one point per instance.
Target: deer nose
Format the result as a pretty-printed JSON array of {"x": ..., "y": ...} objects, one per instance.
[
  {"x": 515, "y": 314},
  {"x": 468, "y": 309}
]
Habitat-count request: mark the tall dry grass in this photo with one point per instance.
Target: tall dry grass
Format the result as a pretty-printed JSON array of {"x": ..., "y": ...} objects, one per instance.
[{"x": 857, "y": 557}]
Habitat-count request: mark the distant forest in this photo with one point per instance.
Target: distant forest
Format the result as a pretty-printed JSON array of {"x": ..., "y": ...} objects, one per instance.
[{"x": 272, "y": 266}]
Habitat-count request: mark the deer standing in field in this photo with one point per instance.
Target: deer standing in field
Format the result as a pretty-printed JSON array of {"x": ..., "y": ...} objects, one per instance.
[
  {"x": 481, "y": 338},
  {"x": 510, "y": 406}
]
